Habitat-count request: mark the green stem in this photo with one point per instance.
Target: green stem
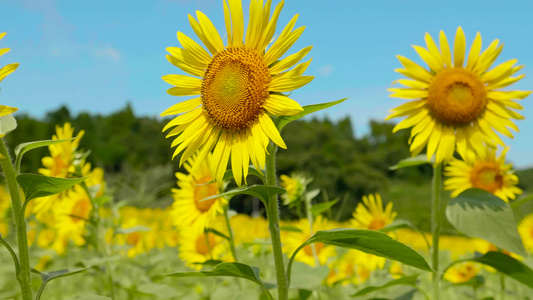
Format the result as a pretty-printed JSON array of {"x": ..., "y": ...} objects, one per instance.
[
  {"x": 230, "y": 234},
  {"x": 273, "y": 226},
  {"x": 23, "y": 276},
  {"x": 436, "y": 223},
  {"x": 308, "y": 206}
]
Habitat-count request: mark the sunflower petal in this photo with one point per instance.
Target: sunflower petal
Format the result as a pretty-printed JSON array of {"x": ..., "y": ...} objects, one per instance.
[
  {"x": 473, "y": 55},
  {"x": 8, "y": 70},
  {"x": 271, "y": 131},
  {"x": 280, "y": 105},
  {"x": 445, "y": 49},
  {"x": 459, "y": 48},
  {"x": 182, "y": 107},
  {"x": 289, "y": 61},
  {"x": 237, "y": 19}
]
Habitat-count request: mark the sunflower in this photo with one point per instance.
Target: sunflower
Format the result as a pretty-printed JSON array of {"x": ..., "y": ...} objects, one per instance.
[
  {"x": 6, "y": 110},
  {"x": 457, "y": 105},
  {"x": 293, "y": 240},
  {"x": 188, "y": 210},
  {"x": 526, "y": 231},
  {"x": 371, "y": 215},
  {"x": 462, "y": 272},
  {"x": 348, "y": 270},
  {"x": 198, "y": 247},
  {"x": 484, "y": 171},
  {"x": 237, "y": 87},
  {"x": 73, "y": 214}
]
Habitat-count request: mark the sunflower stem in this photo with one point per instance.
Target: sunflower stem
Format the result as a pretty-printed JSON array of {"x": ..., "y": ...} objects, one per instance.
[
  {"x": 273, "y": 225},
  {"x": 308, "y": 206},
  {"x": 230, "y": 234},
  {"x": 436, "y": 223},
  {"x": 502, "y": 286},
  {"x": 23, "y": 275}
]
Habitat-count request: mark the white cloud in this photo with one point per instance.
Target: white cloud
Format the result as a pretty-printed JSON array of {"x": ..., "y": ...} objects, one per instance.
[
  {"x": 325, "y": 70},
  {"x": 109, "y": 52}
]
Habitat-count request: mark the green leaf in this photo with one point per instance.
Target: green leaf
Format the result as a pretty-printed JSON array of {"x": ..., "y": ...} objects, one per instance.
[
  {"x": 307, "y": 277},
  {"x": 228, "y": 175},
  {"x": 227, "y": 269},
  {"x": 508, "y": 266},
  {"x": 407, "y": 280},
  {"x": 478, "y": 213},
  {"x": 46, "y": 277},
  {"x": 35, "y": 186},
  {"x": 400, "y": 224},
  {"x": 216, "y": 232},
  {"x": 284, "y": 120},
  {"x": 411, "y": 162},
  {"x": 522, "y": 200},
  {"x": 25, "y": 147},
  {"x": 369, "y": 241},
  {"x": 13, "y": 254},
  {"x": 138, "y": 228},
  {"x": 7, "y": 124},
  {"x": 263, "y": 192},
  {"x": 319, "y": 208}
]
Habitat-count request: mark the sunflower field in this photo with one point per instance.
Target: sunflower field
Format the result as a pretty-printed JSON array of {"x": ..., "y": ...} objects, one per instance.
[{"x": 235, "y": 195}]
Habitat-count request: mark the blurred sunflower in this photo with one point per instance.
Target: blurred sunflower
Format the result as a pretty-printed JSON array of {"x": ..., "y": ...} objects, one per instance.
[
  {"x": 483, "y": 171},
  {"x": 73, "y": 214},
  {"x": 347, "y": 270},
  {"x": 237, "y": 85},
  {"x": 293, "y": 240},
  {"x": 196, "y": 248},
  {"x": 462, "y": 272},
  {"x": 187, "y": 210},
  {"x": 526, "y": 231},
  {"x": 371, "y": 215},
  {"x": 5, "y": 204},
  {"x": 456, "y": 104},
  {"x": 6, "y": 110}
]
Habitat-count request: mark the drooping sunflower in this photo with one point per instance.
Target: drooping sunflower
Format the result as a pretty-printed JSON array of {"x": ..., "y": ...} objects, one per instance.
[
  {"x": 188, "y": 211},
  {"x": 484, "y": 171},
  {"x": 371, "y": 215},
  {"x": 6, "y": 110},
  {"x": 237, "y": 87},
  {"x": 457, "y": 105}
]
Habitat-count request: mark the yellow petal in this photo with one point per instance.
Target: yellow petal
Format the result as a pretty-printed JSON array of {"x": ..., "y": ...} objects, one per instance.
[
  {"x": 504, "y": 82},
  {"x": 289, "y": 61},
  {"x": 499, "y": 71},
  {"x": 408, "y": 93},
  {"x": 200, "y": 33},
  {"x": 270, "y": 28},
  {"x": 503, "y": 95},
  {"x": 411, "y": 120},
  {"x": 227, "y": 22},
  {"x": 459, "y": 48},
  {"x": 445, "y": 49},
  {"x": 413, "y": 68},
  {"x": 405, "y": 109},
  {"x": 287, "y": 83},
  {"x": 185, "y": 118},
  {"x": 185, "y": 66},
  {"x": 210, "y": 31},
  {"x": 4, "y": 51},
  {"x": 433, "y": 49},
  {"x": 182, "y": 107},
  {"x": 8, "y": 70},
  {"x": 446, "y": 145},
  {"x": 237, "y": 20},
  {"x": 7, "y": 110},
  {"x": 183, "y": 81},
  {"x": 433, "y": 64},
  {"x": 434, "y": 140},
  {"x": 271, "y": 131},
  {"x": 245, "y": 155},
  {"x": 236, "y": 159},
  {"x": 194, "y": 48},
  {"x": 183, "y": 55},
  {"x": 487, "y": 57},
  {"x": 281, "y": 46},
  {"x": 473, "y": 55},
  {"x": 415, "y": 84},
  {"x": 280, "y": 105}
]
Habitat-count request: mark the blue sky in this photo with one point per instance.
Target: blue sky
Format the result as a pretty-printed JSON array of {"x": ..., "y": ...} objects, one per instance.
[{"x": 97, "y": 55}]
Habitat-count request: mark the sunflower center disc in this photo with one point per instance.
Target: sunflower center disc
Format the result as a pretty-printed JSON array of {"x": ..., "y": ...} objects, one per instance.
[
  {"x": 202, "y": 191},
  {"x": 204, "y": 243},
  {"x": 235, "y": 88},
  {"x": 487, "y": 176},
  {"x": 457, "y": 96},
  {"x": 80, "y": 211}
]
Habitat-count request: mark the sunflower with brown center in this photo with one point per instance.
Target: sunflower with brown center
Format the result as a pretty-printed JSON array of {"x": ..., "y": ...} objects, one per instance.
[
  {"x": 484, "y": 171},
  {"x": 237, "y": 87},
  {"x": 188, "y": 209},
  {"x": 457, "y": 105}
]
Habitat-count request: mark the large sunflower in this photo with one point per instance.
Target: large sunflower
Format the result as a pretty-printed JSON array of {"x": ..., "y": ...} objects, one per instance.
[
  {"x": 486, "y": 172},
  {"x": 237, "y": 85},
  {"x": 6, "y": 110},
  {"x": 457, "y": 105}
]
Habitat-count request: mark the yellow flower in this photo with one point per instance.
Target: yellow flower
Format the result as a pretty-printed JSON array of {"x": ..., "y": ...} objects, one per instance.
[
  {"x": 457, "y": 105},
  {"x": 72, "y": 215},
  {"x": 238, "y": 86},
  {"x": 187, "y": 210},
  {"x": 6, "y": 110},
  {"x": 370, "y": 213},
  {"x": 483, "y": 172},
  {"x": 462, "y": 272},
  {"x": 59, "y": 163},
  {"x": 396, "y": 270},
  {"x": 295, "y": 186},
  {"x": 526, "y": 231},
  {"x": 196, "y": 248},
  {"x": 293, "y": 240},
  {"x": 5, "y": 204},
  {"x": 43, "y": 262},
  {"x": 246, "y": 229},
  {"x": 348, "y": 269}
]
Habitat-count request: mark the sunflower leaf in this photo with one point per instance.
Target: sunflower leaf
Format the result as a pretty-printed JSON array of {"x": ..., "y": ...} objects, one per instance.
[
  {"x": 478, "y": 213},
  {"x": 407, "y": 280},
  {"x": 400, "y": 224},
  {"x": 228, "y": 269},
  {"x": 46, "y": 277},
  {"x": 263, "y": 192},
  {"x": 284, "y": 120},
  {"x": 25, "y": 147},
  {"x": 36, "y": 186},
  {"x": 412, "y": 162},
  {"x": 368, "y": 241},
  {"x": 319, "y": 208}
]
